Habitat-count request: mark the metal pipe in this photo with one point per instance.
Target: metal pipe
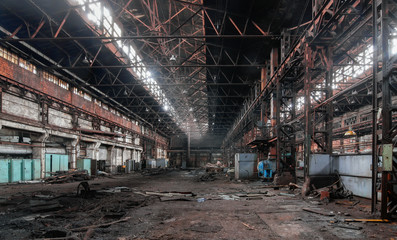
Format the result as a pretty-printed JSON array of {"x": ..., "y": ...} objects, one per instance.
[{"x": 14, "y": 149}]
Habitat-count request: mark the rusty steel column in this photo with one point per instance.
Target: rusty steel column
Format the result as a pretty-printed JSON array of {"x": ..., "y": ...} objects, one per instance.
[
  {"x": 388, "y": 180},
  {"x": 329, "y": 108},
  {"x": 386, "y": 104},
  {"x": 307, "y": 109},
  {"x": 375, "y": 69}
]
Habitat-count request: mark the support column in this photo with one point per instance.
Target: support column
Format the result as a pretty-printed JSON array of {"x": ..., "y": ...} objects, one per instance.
[
  {"x": 1, "y": 100},
  {"x": 388, "y": 10},
  {"x": 184, "y": 164},
  {"x": 39, "y": 151},
  {"x": 72, "y": 149},
  {"x": 93, "y": 150},
  {"x": 110, "y": 159},
  {"x": 329, "y": 111},
  {"x": 308, "y": 125},
  {"x": 375, "y": 70}
]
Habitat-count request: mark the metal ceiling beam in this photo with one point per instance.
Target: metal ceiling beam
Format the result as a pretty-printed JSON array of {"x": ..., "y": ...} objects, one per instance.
[
  {"x": 162, "y": 66},
  {"x": 203, "y": 97},
  {"x": 170, "y": 84},
  {"x": 138, "y": 37}
]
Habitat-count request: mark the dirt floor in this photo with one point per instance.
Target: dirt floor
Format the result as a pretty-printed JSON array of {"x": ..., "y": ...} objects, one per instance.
[{"x": 175, "y": 205}]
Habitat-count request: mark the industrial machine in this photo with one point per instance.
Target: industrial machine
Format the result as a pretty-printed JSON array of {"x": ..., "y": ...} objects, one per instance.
[{"x": 266, "y": 169}]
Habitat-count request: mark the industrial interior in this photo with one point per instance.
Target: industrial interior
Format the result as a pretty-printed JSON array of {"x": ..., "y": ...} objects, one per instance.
[{"x": 198, "y": 119}]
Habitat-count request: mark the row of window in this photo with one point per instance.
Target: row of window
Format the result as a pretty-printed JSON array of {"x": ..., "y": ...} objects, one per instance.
[
  {"x": 6, "y": 54},
  {"x": 12, "y": 57},
  {"x": 352, "y": 120}
]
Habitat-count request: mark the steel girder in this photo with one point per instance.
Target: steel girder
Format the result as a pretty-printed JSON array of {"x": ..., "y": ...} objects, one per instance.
[{"x": 386, "y": 72}]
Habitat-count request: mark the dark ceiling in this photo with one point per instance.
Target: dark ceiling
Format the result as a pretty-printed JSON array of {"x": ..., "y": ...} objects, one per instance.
[{"x": 205, "y": 79}]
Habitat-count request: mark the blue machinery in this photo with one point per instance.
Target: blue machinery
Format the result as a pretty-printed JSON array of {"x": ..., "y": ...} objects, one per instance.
[{"x": 266, "y": 169}]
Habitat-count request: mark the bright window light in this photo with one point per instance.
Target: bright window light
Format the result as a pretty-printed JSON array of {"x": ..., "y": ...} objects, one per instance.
[{"x": 101, "y": 16}]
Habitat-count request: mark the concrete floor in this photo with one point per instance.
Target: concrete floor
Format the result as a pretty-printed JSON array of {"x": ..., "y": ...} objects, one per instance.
[{"x": 270, "y": 216}]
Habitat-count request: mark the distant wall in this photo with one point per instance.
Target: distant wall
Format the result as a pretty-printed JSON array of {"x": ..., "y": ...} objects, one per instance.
[{"x": 206, "y": 142}]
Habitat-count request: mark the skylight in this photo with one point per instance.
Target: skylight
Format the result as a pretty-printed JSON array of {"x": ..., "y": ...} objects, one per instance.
[{"x": 101, "y": 16}]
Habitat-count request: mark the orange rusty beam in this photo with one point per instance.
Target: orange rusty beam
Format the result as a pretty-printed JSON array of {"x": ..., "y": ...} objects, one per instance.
[
  {"x": 231, "y": 20},
  {"x": 260, "y": 29},
  {"x": 62, "y": 23},
  {"x": 16, "y": 31},
  {"x": 38, "y": 29}
]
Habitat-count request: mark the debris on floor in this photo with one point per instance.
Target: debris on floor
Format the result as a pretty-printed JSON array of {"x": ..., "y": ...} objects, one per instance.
[
  {"x": 68, "y": 176},
  {"x": 153, "y": 171},
  {"x": 287, "y": 194},
  {"x": 114, "y": 190},
  {"x": 30, "y": 182},
  {"x": 209, "y": 176},
  {"x": 319, "y": 211},
  {"x": 218, "y": 167},
  {"x": 336, "y": 190},
  {"x": 176, "y": 198},
  {"x": 170, "y": 194},
  {"x": 367, "y": 220},
  {"x": 205, "y": 228},
  {"x": 99, "y": 225},
  {"x": 175, "y": 207}
]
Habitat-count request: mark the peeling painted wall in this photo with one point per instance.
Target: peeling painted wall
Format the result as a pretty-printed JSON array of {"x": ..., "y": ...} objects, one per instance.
[
  {"x": 20, "y": 107},
  {"x": 59, "y": 119}
]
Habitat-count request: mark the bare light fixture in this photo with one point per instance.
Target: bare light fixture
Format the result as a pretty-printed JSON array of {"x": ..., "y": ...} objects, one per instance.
[{"x": 350, "y": 132}]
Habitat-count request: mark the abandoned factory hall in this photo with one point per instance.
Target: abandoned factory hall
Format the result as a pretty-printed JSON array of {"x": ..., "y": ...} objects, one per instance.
[{"x": 198, "y": 119}]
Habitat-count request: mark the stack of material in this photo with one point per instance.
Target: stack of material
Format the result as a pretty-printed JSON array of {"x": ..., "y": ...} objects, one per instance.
[
  {"x": 210, "y": 167},
  {"x": 68, "y": 176}
]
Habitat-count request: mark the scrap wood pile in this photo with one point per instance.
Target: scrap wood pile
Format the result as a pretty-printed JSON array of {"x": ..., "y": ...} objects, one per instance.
[
  {"x": 211, "y": 167},
  {"x": 68, "y": 176}
]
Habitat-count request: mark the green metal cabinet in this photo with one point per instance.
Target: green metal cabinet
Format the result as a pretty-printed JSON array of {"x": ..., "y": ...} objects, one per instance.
[
  {"x": 27, "y": 169},
  {"x": 55, "y": 162},
  {"x": 63, "y": 162},
  {"x": 4, "y": 170},
  {"x": 36, "y": 171},
  {"x": 15, "y": 170},
  {"x": 84, "y": 164}
]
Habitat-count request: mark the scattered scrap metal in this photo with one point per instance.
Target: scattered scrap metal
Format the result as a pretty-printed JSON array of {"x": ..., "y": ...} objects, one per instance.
[{"x": 337, "y": 190}]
